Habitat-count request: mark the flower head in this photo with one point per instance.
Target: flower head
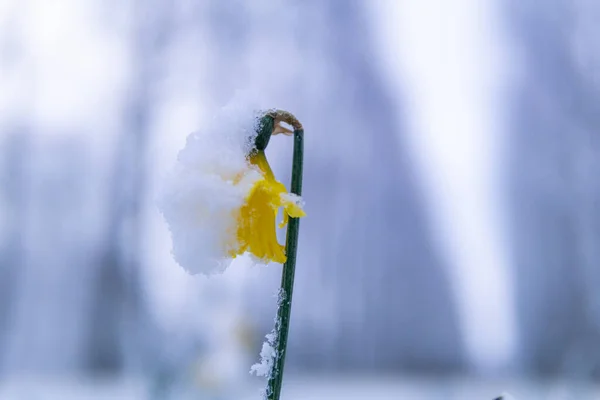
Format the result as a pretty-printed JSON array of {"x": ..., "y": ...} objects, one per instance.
[
  {"x": 222, "y": 199},
  {"x": 256, "y": 218}
]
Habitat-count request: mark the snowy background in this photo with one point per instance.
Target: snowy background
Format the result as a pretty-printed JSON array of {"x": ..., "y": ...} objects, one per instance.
[{"x": 452, "y": 244}]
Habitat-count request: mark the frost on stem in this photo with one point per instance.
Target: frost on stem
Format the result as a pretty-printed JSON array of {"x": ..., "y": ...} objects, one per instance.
[
  {"x": 268, "y": 353},
  {"x": 267, "y": 356}
]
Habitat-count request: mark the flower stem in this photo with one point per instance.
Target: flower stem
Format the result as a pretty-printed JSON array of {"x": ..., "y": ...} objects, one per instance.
[{"x": 287, "y": 278}]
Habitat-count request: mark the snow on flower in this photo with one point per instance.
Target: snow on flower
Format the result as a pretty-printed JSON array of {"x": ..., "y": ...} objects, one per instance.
[{"x": 222, "y": 198}]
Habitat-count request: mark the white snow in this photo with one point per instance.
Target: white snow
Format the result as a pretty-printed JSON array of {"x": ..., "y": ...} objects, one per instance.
[
  {"x": 267, "y": 357},
  {"x": 268, "y": 353},
  {"x": 198, "y": 199},
  {"x": 314, "y": 387},
  {"x": 294, "y": 198}
]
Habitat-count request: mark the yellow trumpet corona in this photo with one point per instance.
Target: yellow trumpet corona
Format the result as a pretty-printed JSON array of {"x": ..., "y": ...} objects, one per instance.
[{"x": 256, "y": 231}]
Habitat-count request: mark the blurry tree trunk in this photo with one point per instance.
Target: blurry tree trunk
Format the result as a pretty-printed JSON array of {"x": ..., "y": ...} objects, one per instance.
[
  {"x": 119, "y": 318},
  {"x": 13, "y": 181},
  {"x": 553, "y": 183}
]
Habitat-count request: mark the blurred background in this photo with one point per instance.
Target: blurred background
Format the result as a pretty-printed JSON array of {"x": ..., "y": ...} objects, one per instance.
[{"x": 452, "y": 244}]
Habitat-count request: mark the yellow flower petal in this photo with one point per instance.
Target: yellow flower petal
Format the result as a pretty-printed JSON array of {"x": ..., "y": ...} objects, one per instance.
[{"x": 256, "y": 232}]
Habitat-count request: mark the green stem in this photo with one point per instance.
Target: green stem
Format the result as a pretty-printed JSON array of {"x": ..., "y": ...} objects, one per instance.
[{"x": 287, "y": 278}]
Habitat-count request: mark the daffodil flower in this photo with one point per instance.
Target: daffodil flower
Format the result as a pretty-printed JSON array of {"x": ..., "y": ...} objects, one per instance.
[
  {"x": 256, "y": 232},
  {"x": 222, "y": 199}
]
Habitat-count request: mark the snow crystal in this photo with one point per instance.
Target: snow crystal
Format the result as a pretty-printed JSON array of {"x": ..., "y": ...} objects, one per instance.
[
  {"x": 198, "y": 198},
  {"x": 268, "y": 353},
  {"x": 294, "y": 198},
  {"x": 267, "y": 356}
]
